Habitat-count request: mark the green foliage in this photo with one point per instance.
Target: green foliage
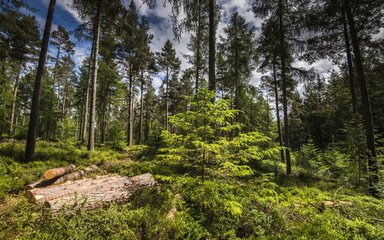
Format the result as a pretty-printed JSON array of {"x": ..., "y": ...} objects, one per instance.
[
  {"x": 116, "y": 136},
  {"x": 255, "y": 207},
  {"x": 202, "y": 138},
  {"x": 330, "y": 163}
]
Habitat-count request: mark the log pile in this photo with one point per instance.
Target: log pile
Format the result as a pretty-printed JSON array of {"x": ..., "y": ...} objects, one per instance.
[{"x": 65, "y": 187}]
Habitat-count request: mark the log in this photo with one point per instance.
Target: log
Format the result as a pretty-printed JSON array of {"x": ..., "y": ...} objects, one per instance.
[
  {"x": 91, "y": 169},
  {"x": 55, "y": 181},
  {"x": 57, "y": 172},
  {"x": 39, "y": 184},
  {"x": 89, "y": 193}
]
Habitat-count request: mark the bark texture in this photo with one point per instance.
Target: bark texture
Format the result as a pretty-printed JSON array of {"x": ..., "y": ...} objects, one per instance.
[
  {"x": 90, "y": 193},
  {"x": 34, "y": 115}
]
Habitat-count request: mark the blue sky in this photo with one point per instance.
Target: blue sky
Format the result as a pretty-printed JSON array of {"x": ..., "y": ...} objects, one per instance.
[
  {"x": 159, "y": 20},
  {"x": 161, "y": 29}
]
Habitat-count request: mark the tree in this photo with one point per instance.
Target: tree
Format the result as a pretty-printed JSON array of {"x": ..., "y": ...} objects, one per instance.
[
  {"x": 367, "y": 112},
  {"x": 33, "y": 120},
  {"x": 19, "y": 40},
  {"x": 170, "y": 63},
  {"x": 99, "y": 13},
  {"x": 146, "y": 65},
  {"x": 194, "y": 8},
  {"x": 280, "y": 20},
  {"x": 61, "y": 40},
  {"x": 238, "y": 54},
  {"x": 128, "y": 54}
]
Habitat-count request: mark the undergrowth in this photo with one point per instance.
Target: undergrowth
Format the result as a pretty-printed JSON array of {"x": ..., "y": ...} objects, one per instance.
[{"x": 261, "y": 206}]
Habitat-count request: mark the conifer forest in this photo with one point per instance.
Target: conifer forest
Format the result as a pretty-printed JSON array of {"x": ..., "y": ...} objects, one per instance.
[{"x": 192, "y": 119}]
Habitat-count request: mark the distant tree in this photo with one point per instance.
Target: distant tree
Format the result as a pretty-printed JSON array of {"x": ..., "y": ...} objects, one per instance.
[
  {"x": 169, "y": 63},
  {"x": 65, "y": 47},
  {"x": 238, "y": 51},
  {"x": 98, "y": 12}
]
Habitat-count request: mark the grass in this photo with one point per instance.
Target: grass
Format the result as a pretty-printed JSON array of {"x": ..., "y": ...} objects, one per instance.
[{"x": 260, "y": 207}]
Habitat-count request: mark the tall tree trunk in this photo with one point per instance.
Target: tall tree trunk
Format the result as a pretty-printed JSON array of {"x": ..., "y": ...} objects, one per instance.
[
  {"x": 34, "y": 115},
  {"x": 285, "y": 98},
  {"x": 130, "y": 110},
  {"x": 166, "y": 100},
  {"x": 198, "y": 46},
  {"x": 14, "y": 99},
  {"x": 55, "y": 71},
  {"x": 92, "y": 114},
  {"x": 350, "y": 66},
  {"x": 86, "y": 98},
  {"x": 141, "y": 129},
  {"x": 368, "y": 121},
  {"x": 212, "y": 46},
  {"x": 278, "y": 112}
]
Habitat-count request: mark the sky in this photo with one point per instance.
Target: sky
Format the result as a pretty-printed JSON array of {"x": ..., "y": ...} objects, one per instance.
[{"x": 161, "y": 29}]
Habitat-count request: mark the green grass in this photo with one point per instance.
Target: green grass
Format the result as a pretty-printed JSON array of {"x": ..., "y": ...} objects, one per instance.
[{"x": 259, "y": 207}]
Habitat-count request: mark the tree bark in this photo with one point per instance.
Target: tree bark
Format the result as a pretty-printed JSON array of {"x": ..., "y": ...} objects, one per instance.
[
  {"x": 90, "y": 193},
  {"x": 86, "y": 98},
  {"x": 278, "y": 112},
  {"x": 367, "y": 112},
  {"x": 34, "y": 115},
  {"x": 212, "y": 46},
  {"x": 285, "y": 98},
  {"x": 92, "y": 117},
  {"x": 198, "y": 46},
  {"x": 350, "y": 65},
  {"x": 130, "y": 106},
  {"x": 166, "y": 100},
  {"x": 14, "y": 100},
  {"x": 141, "y": 128}
]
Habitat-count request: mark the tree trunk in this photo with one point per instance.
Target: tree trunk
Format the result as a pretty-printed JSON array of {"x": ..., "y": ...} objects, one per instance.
[
  {"x": 350, "y": 66},
  {"x": 14, "y": 100},
  {"x": 166, "y": 100},
  {"x": 278, "y": 112},
  {"x": 212, "y": 46},
  {"x": 368, "y": 122},
  {"x": 92, "y": 117},
  {"x": 130, "y": 110},
  {"x": 285, "y": 98},
  {"x": 34, "y": 115},
  {"x": 141, "y": 129},
  {"x": 86, "y": 98},
  {"x": 198, "y": 46}
]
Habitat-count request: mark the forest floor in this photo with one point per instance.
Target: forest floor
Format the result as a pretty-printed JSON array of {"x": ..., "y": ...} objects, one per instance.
[{"x": 184, "y": 207}]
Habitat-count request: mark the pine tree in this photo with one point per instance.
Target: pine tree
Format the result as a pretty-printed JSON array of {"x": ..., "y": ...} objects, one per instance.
[
  {"x": 33, "y": 120},
  {"x": 169, "y": 63},
  {"x": 98, "y": 12},
  {"x": 238, "y": 53},
  {"x": 19, "y": 40}
]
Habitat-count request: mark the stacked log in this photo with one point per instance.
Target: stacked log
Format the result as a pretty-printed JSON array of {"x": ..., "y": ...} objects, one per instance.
[{"x": 57, "y": 172}]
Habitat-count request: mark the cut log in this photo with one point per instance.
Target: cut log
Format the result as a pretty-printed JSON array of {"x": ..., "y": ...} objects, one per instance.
[
  {"x": 90, "y": 193},
  {"x": 56, "y": 181},
  {"x": 70, "y": 176},
  {"x": 336, "y": 204},
  {"x": 39, "y": 184},
  {"x": 57, "y": 172},
  {"x": 91, "y": 169}
]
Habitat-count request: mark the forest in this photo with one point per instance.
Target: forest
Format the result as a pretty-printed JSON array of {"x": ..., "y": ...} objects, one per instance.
[{"x": 268, "y": 123}]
